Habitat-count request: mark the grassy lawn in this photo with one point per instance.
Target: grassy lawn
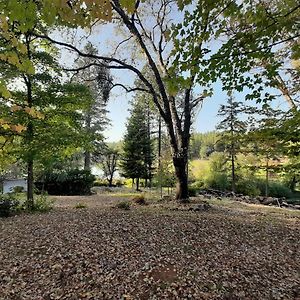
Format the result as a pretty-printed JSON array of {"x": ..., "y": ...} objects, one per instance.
[{"x": 232, "y": 251}]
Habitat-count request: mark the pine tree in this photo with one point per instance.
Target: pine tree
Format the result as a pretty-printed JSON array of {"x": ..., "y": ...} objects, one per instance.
[
  {"x": 137, "y": 158},
  {"x": 97, "y": 79},
  {"x": 232, "y": 129}
]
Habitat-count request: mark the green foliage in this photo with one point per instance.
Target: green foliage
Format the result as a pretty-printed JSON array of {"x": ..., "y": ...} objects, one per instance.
[
  {"x": 18, "y": 189},
  {"x": 218, "y": 181},
  {"x": 276, "y": 189},
  {"x": 137, "y": 158},
  {"x": 98, "y": 81},
  {"x": 80, "y": 206},
  {"x": 193, "y": 190},
  {"x": 43, "y": 204},
  {"x": 8, "y": 205},
  {"x": 72, "y": 182},
  {"x": 124, "y": 205},
  {"x": 247, "y": 186},
  {"x": 202, "y": 145}
]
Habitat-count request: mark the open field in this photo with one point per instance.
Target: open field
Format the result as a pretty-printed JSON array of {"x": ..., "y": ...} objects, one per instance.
[{"x": 231, "y": 251}]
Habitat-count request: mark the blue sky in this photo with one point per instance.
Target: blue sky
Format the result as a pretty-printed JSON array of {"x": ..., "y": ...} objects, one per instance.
[{"x": 118, "y": 106}]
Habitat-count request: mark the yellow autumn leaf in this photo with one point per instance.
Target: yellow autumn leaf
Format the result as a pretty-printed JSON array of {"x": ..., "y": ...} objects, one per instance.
[
  {"x": 5, "y": 126},
  {"x": 22, "y": 48},
  {"x": 13, "y": 59},
  {"x": 6, "y": 93},
  {"x": 18, "y": 128},
  {"x": 40, "y": 115},
  {"x": 3, "y": 23}
]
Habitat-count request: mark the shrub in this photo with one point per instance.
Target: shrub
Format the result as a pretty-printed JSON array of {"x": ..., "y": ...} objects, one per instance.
[
  {"x": 192, "y": 191},
  {"x": 195, "y": 187},
  {"x": 218, "y": 181},
  {"x": 80, "y": 206},
  {"x": 73, "y": 182},
  {"x": 43, "y": 204},
  {"x": 279, "y": 190},
  {"x": 139, "y": 199},
  {"x": 276, "y": 189},
  {"x": 18, "y": 189},
  {"x": 125, "y": 205},
  {"x": 8, "y": 205},
  {"x": 247, "y": 187},
  {"x": 100, "y": 182}
]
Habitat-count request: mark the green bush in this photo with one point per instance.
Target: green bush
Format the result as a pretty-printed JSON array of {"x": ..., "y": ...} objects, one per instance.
[
  {"x": 218, "y": 181},
  {"x": 18, "y": 189},
  {"x": 279, "y": 190},
  {"x": 8, "y": 205},
  {"x": 248, "y": 187},
  {"x": 73, "y": 182},
  {"x": 195, "y": 187},
  {"x": 80, "y": 206},
  {"x": 125, "y": 205},
  {"x": 43, "y": 204},
  {"x": 193, "y": 191}
]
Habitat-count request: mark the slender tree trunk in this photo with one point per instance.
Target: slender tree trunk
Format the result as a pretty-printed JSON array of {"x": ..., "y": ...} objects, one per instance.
[
  {"x": 29, "y": 135},
  {"x": 87, "y": 160},
  {"x": 30, "y": 201},
  {"x": 159, "y": 155},
  {"x": 137, "y": 184},
  {"x": 293, "y": 184},
  {"x": 87, "y": 154},
  {"x": 232, "y": 169},
  {"x": 267, "y": 178}
]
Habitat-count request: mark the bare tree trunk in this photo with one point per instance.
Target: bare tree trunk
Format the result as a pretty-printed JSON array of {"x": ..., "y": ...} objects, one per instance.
[
  {"x": 30, "y": 201},
  {"x": 137, "y": 184},
  {"x": 285, "y": 92},
  {"x": 87, "y": 153},
  {"x": 232, "y": 173},
  {"x": 87, "y": 160},
  {"x": 110, "y": 180},
  {"x": 293, "y": 183},
  {"x": 29, "y": 135},
  {"x": 267, "y": 178}
]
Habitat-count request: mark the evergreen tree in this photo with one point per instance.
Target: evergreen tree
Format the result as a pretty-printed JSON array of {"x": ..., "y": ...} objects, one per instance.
[
  {"x": 233, "y": 130},
  {"x": 138, "y": 151},
  {"x": 97, "y": 79},
  {"x": 265, "y": 141}
]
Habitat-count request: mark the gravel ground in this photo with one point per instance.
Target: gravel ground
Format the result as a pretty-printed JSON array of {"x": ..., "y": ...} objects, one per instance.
[{"x": 147, "y": 253}]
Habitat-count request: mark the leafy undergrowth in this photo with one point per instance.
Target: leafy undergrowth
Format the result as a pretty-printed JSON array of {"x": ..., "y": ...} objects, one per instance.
[{"x": 150, "y": 252}]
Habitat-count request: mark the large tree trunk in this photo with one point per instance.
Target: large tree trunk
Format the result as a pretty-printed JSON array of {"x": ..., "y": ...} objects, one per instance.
[{"x": 180, "y": 164}]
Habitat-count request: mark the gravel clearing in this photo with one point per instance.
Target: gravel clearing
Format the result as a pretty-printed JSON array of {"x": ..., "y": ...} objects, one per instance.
[{"x": 101, "y": 252}]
